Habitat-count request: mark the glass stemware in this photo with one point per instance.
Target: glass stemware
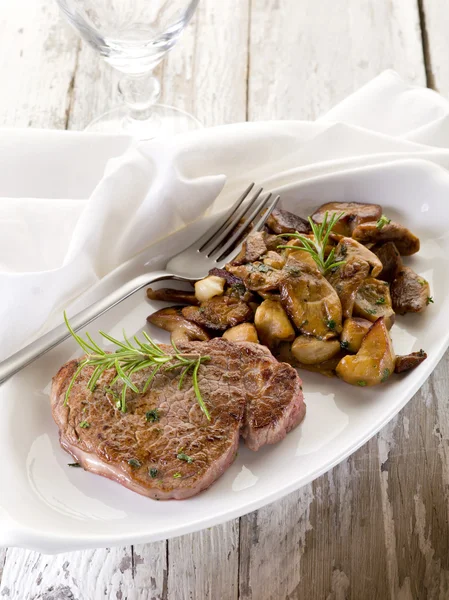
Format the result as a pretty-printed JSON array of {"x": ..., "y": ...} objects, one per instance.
[{"x": 133, "y": 36}]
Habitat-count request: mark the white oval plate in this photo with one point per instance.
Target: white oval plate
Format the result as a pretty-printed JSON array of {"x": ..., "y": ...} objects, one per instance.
[{"x": 48, "y": 506}]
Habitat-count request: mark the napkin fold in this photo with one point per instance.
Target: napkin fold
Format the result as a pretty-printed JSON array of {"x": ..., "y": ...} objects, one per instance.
[{"x": 61, "y": 231}]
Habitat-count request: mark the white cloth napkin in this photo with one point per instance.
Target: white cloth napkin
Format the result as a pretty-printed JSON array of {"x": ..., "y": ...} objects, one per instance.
[{"x": 54, "y": 246}]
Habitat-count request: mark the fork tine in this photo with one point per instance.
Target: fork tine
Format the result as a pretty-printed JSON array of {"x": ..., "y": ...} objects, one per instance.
[
  {"x": 259, "y": 225},
  {"x": 241, "y": 230},
  {"x": 232, "y": 223},
  {"x": 210, "y": 235},
  {"x": 264, "y": 218}
]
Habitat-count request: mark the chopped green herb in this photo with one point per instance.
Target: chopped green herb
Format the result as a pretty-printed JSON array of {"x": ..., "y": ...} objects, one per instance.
[
  {"x": 74, "y": 465},
  {"x": 153, "y": 473},
  {"x": 183, "y": 456},
  {"x": 382, "y": 221},
  {"x": 152, "y": 415},
  {"x": 344, "y": 345},
  {"x": 343, "y": 250},
  {"x": 381, "y": 300},
  {"x": 201, "y": 309},
  {"x": 361, "y": 383},
  {"x": 429, "y": 300},
  {"x": 239, "y": 288},
  {"x": 134, "y": 463},
  {"x": 177, "y": 475},
  {"x": 371, "y": 311},
  {"x": 295, "y": 271},
  {"x": 421, "y": 352},
  {"x": 422, "y": 281},
  {"x": 84, "y": 425},
  {"x": 385, "y": 375},
  {"x": 263, "y": 268},
  {"x": 331, "y": 324}
]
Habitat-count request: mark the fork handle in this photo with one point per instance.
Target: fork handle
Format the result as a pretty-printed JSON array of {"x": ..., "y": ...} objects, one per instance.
[{"x": 16, "y": 362}]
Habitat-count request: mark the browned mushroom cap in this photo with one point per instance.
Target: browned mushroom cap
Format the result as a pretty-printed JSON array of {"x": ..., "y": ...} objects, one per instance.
[
  {"x": 312, "y": 351},
  {"x": 272, "y": 324},
  {"x": 312, "y": 304},
  {"x": 257, "y": 276},
  {"x": 355, "y": 213},
  {"x": 182, "y": 330},
  {"x": 348, "y": 248},
  {"x": 406, "y": 242},
  {"x": 219, "y": 313},
  {"x": 373, "y": 300},
  {"x": 391, "y": 261},
  {"x": 409, "y": 292},
  {"x": 282, "y": 221},
  {"x": 354, "y": 330},
  {"x": 274, "y": 260},
  {"x": 252, "y": 249},
  {"x": 374, "y": 362},
  {"x": 346, "y": 280},
  {"x": 327, "y": 367},
  {"x": 245, "y": 332},
  {"x": 409, "y": 361},
  {"x": 171, "y": 295}
]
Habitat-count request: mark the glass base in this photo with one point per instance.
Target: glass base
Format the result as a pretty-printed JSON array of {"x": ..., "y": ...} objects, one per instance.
[{"x": 165, "y": 121}]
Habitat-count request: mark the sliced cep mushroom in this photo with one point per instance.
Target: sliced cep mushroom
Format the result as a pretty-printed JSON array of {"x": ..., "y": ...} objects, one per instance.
[
  {"x": 252, "y": 249},
  {"x": 257, "y": 276},
  {"x": 374, "y": 362},
  {"x": 327, "y": 368},
  {"x": 274, "y": 260},
  {"x": 354, "y": 214},
  {"x": 219, "y": 313},
  {"x": 391, "y": 261},
  {"x": 172, "y": 320},
  {"x": 312, "y": 304},
  {"x": 346, "y": 280},
  {"x": 373, "y": 300},
  {"x": 409, "y": 361},
  {"x": 299, "y": 260},
  {"x": 348, "y": 248},
  {"x": 354, "y": 330},
  {"x": 311, "y": 351},
  {"x": 406, "y": 242},
  {"x": 245, "y": 332},
  {"x": 172, "y": 295},
  {"x": 409, "y": 292},
  {"x": 235, "y": 285},
  {"x": 272, "y": 324},
  {"x": 210, "y": 286},
  {"x": 282, "y": 221}
]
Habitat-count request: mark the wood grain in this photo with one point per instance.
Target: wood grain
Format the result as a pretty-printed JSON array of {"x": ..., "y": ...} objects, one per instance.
[
  {"x": 307, "y": 56},
  {"x": 435, "y": 23}
]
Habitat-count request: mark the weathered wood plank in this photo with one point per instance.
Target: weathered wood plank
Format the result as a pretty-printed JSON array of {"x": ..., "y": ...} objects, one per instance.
[
  {"x": 205, "y": 564},
  {"x": 2, "y": 561},
  {"x": 435, "y": 23},
  {"x": 36, "y": 64},
  {"x": 306, "y": 56},
  {"x": 328, "y": 540}
]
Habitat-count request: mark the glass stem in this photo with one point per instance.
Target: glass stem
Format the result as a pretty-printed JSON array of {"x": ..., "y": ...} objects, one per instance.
[{"x": 139, "y": 93}]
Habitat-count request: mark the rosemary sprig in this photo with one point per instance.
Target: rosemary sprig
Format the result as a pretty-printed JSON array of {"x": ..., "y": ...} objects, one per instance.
[
  {"x": 316, "y": 246},
  {"x": 130, "y": 357}
]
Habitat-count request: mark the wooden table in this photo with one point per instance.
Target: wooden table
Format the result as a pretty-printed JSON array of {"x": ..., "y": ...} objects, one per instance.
[{"x": 376, "y": 526}]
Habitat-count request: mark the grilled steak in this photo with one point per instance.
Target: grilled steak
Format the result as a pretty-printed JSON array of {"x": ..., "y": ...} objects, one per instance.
[{"x": 163, "y": 446}]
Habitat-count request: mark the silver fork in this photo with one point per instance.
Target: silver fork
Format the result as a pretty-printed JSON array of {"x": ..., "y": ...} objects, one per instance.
[{"x": 219, "y": 245}]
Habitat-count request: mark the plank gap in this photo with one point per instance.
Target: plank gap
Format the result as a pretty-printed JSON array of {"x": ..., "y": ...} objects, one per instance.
[
  {"x": 3, "y": 552},
  {"x": 71, "y": 87},
  {"x": 430, "y": 77}
]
